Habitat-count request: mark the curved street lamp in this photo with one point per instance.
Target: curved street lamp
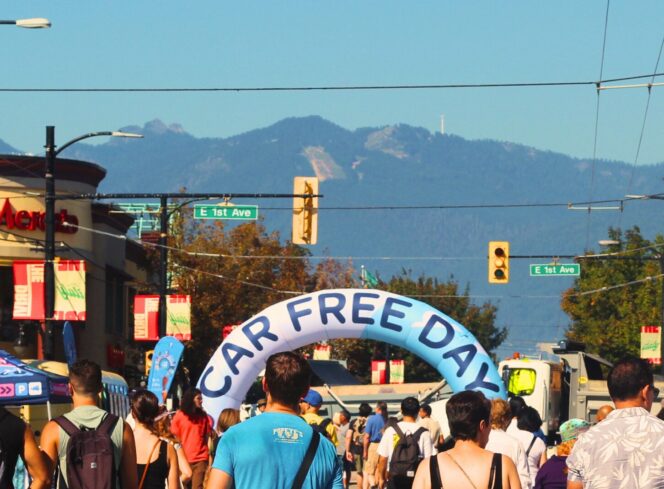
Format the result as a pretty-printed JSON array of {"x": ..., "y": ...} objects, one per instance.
[
  {"x": 36, "y": 23},
  {"x": 49, "y": 224}
]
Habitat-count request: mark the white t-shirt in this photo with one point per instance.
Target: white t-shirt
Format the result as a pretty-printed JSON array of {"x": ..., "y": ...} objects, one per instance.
[
  {"x": 390, "y": 439},
  {"x": 538, "y": 448},
  {"x": 501, "y": 442}
]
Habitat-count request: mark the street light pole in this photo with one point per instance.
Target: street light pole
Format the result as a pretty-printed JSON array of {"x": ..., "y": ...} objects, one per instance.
[
  {"x": 36, "y": 23},
  {"x": 163, "y": 265},
  {"x": 49, "y": 227}
]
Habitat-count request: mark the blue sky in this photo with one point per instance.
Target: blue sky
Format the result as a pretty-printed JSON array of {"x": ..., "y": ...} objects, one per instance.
[{"x": 125, "y": 44}]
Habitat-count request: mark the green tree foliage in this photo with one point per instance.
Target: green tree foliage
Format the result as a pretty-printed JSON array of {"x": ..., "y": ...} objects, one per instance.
[
  {"x": 609, "y": 319},
  {"x": 445, "y": 297}
]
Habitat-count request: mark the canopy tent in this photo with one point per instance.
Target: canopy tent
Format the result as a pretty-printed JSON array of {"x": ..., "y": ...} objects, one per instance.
[{"x": 22, "y": 384}]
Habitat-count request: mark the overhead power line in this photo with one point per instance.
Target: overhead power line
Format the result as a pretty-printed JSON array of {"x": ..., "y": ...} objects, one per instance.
[{"x": 596, "y": 83}]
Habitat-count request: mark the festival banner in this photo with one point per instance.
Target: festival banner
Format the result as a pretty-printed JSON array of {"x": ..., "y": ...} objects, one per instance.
[
  {"x": 146, "y": 318},
  {"x": 28, "y": 290},
  {"x": 651, "y": 344},
  {"x": 322, "y": 352},
  {"x": 397, "y": 371},
  {"x": 178, "y": 316},
  {"x": 70, "y": 290},
  {"x": 165, "y": 360},
  {"x": 378, "y": 372}
]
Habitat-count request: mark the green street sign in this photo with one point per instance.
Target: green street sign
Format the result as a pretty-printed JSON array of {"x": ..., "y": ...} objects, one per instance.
[
  {"x": 246, "y": 212},
  {"x": 564, "y": 270}
]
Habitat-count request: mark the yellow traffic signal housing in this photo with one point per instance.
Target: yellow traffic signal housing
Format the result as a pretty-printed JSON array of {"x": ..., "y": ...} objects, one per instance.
[
  {"x": 499, "y": 262},
  {"x": 305, "y": 211},
  {"x": 148, "y": 361}
]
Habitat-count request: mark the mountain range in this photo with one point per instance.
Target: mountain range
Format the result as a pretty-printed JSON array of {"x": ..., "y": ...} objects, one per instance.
[{"x": 402, "y": 198}]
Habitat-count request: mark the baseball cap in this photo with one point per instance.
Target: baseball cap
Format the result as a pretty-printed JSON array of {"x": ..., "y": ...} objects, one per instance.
[
  {"x": 572, "y": 428},
  {"x": 313, "y": 398}
]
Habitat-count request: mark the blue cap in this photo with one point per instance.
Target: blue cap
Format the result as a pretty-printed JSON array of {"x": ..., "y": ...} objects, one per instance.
[{"x": 313, "y": 398}]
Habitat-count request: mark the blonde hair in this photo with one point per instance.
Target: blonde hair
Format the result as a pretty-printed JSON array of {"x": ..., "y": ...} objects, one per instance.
[
  {"x": 227, "y": 418},
  {"x": 565, "y": 448},
  {"x": 500, "y": 414}
]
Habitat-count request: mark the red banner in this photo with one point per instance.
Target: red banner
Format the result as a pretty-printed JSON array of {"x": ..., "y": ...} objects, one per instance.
[
  {"x": 178, "y": 316},
  {"x": 29, "y": 290},
  {"x": 378, "y": 374},
  {"x": 146, "y": 318}
]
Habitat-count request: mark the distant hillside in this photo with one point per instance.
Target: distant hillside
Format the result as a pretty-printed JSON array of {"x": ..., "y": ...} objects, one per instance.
[{"x": 405, "y": 166}]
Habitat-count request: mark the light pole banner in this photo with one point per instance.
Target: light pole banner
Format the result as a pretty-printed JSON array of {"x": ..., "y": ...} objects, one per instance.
[
  {"x": 70, "y": 290},
  {"x": 29, "y": 290},
  {"x": 651, "y": 344},
  {"x": 146, "y": 318},
  {"x": 347, "y": 313},
  {"x": 178, "y": 316}
]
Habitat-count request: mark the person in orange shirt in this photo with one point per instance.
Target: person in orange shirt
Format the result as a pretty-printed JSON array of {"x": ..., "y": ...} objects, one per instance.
[{"x": 192, "y": 426}]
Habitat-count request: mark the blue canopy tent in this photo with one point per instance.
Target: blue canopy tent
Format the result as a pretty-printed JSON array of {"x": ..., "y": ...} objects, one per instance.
[{"x": 22, "y": 384}]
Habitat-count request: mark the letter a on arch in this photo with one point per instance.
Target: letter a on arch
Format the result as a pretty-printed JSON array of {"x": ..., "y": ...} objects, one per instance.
[{"x": 347, "y": 313}]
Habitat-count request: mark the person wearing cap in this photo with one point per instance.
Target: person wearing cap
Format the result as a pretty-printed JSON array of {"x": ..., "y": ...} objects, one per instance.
[
  {"x": 309, "y": 407},
  {"x": 627, "y": 448},
  {"x": 553, "y": 473}
]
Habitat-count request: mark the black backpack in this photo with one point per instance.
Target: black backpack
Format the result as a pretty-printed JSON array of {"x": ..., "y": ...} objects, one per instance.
[
  {"x": 406, "y": 454},
  {"x": 322, "y": 427},
  {"x": 90, "y": 463}
]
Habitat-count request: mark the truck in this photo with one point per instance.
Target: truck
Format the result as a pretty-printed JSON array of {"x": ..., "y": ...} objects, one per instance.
[{"x": 574, "y": 386}]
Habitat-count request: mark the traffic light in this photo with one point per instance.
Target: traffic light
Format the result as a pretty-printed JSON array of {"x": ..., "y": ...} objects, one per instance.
[
  {"x": 499, "y": 262},
  {"x": 305, "y": 211},
  {"x": 148, "y": 361}
]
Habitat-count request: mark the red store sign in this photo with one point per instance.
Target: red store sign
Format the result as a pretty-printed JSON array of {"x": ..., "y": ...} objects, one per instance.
[{"x": 25, "y": 220}]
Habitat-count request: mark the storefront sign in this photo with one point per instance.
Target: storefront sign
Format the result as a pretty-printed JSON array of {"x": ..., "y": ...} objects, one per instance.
[
  {"x": 146, "y": 318},
  {"x": 70, "y": 301},
  {"x": 25, "y": 220},
  {"x": 178, "y": 316}
]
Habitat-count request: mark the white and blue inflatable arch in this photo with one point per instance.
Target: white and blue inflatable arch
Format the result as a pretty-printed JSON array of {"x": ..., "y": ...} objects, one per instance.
[{"x": 346, "y": 313}]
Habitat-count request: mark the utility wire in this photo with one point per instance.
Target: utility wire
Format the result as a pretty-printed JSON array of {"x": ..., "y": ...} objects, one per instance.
[
  {"x": 643, "y": 128},
  {"x": 594, "y": 160},
  {"x": 331, "y": 87}
]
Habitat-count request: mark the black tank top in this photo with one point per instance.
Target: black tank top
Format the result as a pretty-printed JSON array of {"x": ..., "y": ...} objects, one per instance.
[
  {"x": 495, "y": 476},
  {"x": 12, "y": 434},
  {"x": 157, "y": 471}
]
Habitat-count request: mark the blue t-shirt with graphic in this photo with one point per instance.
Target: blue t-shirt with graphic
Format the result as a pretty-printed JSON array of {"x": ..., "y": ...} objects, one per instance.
[
  {"x": 373, "y": 428},
  {"x": 266, "y": 451}
]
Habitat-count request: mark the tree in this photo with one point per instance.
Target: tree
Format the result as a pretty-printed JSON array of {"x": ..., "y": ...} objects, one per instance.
[{"x": 610, "y": 302}]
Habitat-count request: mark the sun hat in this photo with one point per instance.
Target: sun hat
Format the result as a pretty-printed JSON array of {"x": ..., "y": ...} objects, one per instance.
[
  {"x": 572, "y": 428},
  {"x": 313, "y": 398}
]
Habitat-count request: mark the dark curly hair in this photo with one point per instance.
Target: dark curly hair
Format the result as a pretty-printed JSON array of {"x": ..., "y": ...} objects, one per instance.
[
  {"x": 187, "y": 405},
  {"x": 145, "y": 407}
]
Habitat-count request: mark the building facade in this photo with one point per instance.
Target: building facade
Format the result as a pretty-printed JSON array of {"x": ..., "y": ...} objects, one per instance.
[{"x": 115, "y": 267}]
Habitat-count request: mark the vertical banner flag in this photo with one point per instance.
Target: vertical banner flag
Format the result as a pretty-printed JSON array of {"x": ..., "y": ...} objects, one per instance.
[
  {"x": 397, "y": 369},
  {"x": 651, "y": 344},
  {"x": 322, "y": 352},
  {"x": 165, "y": 360},
  {"x": 378, "y": 372},
  {"x": 69, "y": 342},
  {"x": 28, "y": 290},
  {"x": 146, "y": 318},
  {"x": 178, "y": 316},
  {"x": 70, "y": 290}
]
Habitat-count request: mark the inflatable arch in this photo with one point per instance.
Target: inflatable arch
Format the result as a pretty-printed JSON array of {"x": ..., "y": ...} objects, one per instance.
[{"x": 346, "y": 313}]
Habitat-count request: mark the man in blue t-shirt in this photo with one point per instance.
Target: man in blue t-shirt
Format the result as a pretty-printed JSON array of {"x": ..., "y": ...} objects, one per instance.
[
  {"x": 373, "y": 432},
  {"x": 267, "y": 451}
]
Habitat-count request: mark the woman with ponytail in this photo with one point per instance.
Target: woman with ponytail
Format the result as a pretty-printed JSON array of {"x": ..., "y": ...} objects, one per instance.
[{"x": 156, "y": 460}]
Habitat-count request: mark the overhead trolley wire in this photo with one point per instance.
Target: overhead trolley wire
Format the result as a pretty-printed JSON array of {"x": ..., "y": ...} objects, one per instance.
[{"x": 595, "y": 83}]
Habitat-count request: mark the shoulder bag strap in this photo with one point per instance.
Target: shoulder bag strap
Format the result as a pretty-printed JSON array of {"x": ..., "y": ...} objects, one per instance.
[
  {"x": 107, "y": 424},
  {"x": 496, "y": 472},
  {"x": 530, "y": 447},
  {"x": 306, "y": 463},
  {"x": 397, "y": 430},
  {"x": 145, "y": 470},
  {"x": 434, "y": 473}
]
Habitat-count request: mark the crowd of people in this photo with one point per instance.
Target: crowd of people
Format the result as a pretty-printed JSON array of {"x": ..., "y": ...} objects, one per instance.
[{"x": 290, "y": 444}]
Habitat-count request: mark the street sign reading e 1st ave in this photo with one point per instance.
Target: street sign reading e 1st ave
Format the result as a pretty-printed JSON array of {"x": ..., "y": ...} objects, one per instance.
[
  {"x": 247, "y": 212},
  {"x": 564, "y": 270}
]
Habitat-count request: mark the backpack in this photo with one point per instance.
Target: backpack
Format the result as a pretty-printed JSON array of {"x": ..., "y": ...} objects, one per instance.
[
  {"x": 89, "y": 453},
  {"x": 358, "y": 430},
  {"x": 406, "y": 454},
  {"x": 322, "y": 427}
]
